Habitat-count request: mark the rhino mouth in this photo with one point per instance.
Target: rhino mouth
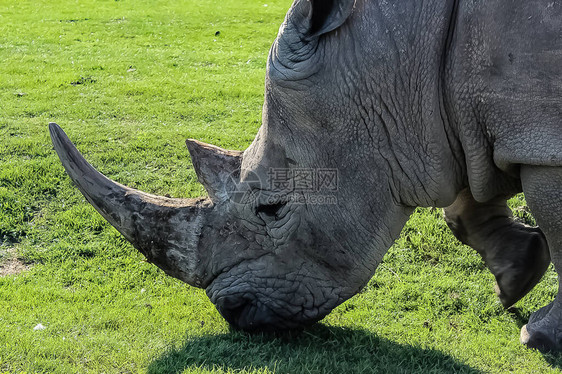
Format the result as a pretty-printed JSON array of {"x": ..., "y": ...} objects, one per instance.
[
  {"x": 256, "y": 317},
  {"x": 262, "y": 309}
]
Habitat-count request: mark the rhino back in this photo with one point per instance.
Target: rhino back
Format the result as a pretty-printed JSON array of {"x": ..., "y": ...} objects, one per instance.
[{"x": 505, "y": 86}]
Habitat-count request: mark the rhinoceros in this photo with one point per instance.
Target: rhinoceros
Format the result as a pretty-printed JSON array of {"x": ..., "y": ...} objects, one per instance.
[{"x": 384, "y": 106}]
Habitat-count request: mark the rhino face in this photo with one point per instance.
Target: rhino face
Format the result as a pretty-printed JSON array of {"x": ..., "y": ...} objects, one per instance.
[
  {"x": 274, "y": 267},
  {"x": 270, "y": 255},
  {"x": 267, "y": 263}
]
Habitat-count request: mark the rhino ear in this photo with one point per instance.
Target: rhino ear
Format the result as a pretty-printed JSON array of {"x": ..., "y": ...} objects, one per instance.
[
  {"x": 323, "y": 16},
  {"x": 218, "y": 170}
]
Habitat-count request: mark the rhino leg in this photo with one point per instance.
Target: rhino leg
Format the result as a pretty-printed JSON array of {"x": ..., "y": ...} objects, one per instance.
[
  {"x": 516, "y": 254},
  {"x": 543, "y": 191}
]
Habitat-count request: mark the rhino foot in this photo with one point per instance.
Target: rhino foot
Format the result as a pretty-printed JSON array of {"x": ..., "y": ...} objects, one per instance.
[
  {"x": 543, "y": 332},
  {"x": 541, "y": 185},
  {"x": 519, "y": 263},
  {"x": 516, "y": 254}
]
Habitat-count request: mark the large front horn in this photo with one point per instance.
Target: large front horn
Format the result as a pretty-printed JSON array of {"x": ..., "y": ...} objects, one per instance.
[{"x": 165, "y": 230}]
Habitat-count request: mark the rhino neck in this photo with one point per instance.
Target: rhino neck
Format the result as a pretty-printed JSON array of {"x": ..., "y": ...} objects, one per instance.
[{"x": 399, "y": 99}]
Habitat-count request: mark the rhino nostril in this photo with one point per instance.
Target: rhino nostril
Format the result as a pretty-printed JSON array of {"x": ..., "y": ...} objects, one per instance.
[
  {"x": 246, "y": 315},
  {"x": 269, "y": 211},
  {"x": 232, "y": 308}
]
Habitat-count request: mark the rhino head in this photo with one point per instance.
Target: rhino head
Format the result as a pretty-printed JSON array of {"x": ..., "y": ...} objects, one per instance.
[{"x": 271, "y": 257}]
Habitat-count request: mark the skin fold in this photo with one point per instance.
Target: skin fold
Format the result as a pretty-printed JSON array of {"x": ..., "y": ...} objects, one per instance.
[{"x": 402, "y": 104}]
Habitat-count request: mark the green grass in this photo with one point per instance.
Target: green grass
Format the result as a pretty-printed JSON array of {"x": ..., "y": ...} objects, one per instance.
[{"x": 129, "y": 81}]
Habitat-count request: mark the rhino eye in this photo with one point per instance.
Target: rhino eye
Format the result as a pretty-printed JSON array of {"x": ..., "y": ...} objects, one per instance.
[{"x": 269, "y": 212}]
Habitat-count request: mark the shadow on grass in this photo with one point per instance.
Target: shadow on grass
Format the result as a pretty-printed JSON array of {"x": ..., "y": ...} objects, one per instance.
[
  {"x": 519, "y": 317},
  {"x": 319, "y": 349},
  {"x": 553, "y": 359}
]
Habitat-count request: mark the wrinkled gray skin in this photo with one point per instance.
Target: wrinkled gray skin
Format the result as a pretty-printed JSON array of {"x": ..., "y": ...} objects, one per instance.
[{"x": 451, "y": 104}]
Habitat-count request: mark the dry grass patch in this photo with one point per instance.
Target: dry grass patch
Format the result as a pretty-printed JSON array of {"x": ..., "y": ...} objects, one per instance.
[{"x": 10, "y": 264}]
